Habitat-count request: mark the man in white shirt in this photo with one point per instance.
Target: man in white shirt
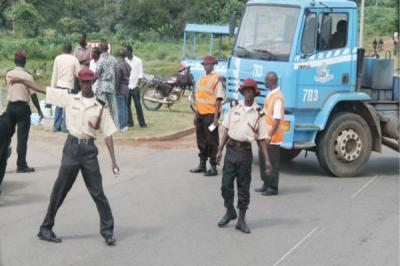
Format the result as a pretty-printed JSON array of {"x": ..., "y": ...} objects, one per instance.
[
  {"x": 93, "y": 64},
  {"x": 136, "y": 75},
  {"x": 65, "y": 70}
]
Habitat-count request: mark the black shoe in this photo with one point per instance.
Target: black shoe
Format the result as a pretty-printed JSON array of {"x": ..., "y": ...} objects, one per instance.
[
  {"x": 241, "y": 223},
  {"x": 212, "y": 171},
  {"x": 110, "y": 241},
  {"x": 199, "y": 169},
  {"x": 260, "y": 189},
  {"x": 143, "y": 126},
  {"x": 270, "y": 192},
  {"x": 48, "y": 235},
  {"x": 26, "y": 169},
  {"x": 229, "y": 216},
  {"x": 56, "y": 130}
]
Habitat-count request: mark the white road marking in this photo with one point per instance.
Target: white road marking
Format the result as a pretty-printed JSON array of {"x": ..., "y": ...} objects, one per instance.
[
  {"x": 363, "y": 187},
  {"x": 296, "y": 246}
]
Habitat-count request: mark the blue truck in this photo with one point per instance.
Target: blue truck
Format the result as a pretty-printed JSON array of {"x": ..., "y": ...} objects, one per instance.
[{"x": 338, "y": 103}]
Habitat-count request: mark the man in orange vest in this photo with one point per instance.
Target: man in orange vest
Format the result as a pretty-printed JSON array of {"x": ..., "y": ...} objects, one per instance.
[
  {"x": 208, "y": 98},
  {"x": 274, "y": 118}
]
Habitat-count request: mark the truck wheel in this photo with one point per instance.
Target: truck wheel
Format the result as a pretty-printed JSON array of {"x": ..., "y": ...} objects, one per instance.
[
  {"x": 288, "y": 155},
  {"x": 345, "y": 146}
]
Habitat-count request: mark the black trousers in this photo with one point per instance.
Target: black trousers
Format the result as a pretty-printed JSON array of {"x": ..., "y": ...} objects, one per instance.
[
  {"x": 80, "y": 157},
  {"x": 207, "y": 141},
  {"x": 4, "y": 142},
  {"x": 237, "y": 165},
  {"x": 271, "y": 181},
  {"x": 20, "y": 116},
  {"x": 135, "y": 95}
]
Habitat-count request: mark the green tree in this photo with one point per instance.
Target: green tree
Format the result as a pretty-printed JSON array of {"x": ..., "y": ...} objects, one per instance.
[{"x": 27, "y": 20}]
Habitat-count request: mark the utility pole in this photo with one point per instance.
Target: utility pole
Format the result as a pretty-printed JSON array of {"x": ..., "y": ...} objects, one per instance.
[{"x": 360, "y": 45}]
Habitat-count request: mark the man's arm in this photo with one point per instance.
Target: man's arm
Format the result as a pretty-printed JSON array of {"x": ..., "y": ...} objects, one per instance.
[
  {"x": 262, "y": 145},
  {"x": 30, "y": 84},
  {"x": 35, "y": 102},
  {"x": 54, "y": 75},
  {"x": 216, "y": 112},
  {"x": 224, "y": 140},
  {"x": 110, "y": 146}
]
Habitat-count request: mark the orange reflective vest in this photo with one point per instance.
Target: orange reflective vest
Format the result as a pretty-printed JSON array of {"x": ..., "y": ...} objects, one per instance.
[
  {"x": 205, "y": 94},
  {"x": 269, "y": 104}
]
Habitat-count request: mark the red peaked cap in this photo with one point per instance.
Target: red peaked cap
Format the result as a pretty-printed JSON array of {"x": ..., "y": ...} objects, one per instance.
[
  {"x": 86, "y": 74},
  {"x": 250, "y": 83},
  {"x": 209, "y": 60},
  {"x": 20, "y": 54}
]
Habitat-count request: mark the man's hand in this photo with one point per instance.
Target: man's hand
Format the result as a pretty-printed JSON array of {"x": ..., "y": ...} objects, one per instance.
[
  {"x": 268, "y": 140},
  {"x": 40, "y": 114},
  {"x": 268, "y": 167},
  {"x": 218, "y": 157},
  {"x": 195, "y": 120},
  {"x": 115, "y": 168},
  {"x": 216, "y": 122}
]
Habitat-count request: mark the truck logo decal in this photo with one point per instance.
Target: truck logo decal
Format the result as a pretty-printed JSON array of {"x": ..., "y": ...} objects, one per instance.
[{"x": 323, "y": 74}]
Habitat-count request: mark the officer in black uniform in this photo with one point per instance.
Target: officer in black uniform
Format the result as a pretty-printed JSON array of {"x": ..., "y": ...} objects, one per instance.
[
  {"x": 19, "y": 111},
  {"x": 4, "y": 141},
  {"x": 84, "y": 116},
  {"x": 243, "y": 125}
]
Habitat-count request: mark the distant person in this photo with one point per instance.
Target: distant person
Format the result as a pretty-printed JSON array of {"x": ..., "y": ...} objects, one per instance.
[
  {"x": 381, "y": 44},
  {"x": 19, "y": 111},
  {"x": 84, "y": 54},
  {"x": 93, "y": 64},
  {"x": 339, "y": 38},
  {"x": 209, "y": 95},
  {"x": 134, "y": 92},
  {"x": 395, "y": 43},
  {"x": 122, "y": 89},
  {"x": 105, "y": 72},
  {"x": 375, "y": 45},
  {"x": 5, "y": 129},
  {"x": 65, "y": 69}
]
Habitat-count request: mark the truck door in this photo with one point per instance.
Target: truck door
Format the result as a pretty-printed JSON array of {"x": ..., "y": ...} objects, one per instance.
[{"x": 324, "y": 56}]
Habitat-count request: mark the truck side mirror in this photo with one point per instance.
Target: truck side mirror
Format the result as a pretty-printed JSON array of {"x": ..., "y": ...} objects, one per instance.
[{"x": 232, "y": 24}]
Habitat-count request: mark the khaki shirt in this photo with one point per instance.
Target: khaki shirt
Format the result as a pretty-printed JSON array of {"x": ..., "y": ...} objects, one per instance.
[
  {"x": 65, "y": 69},
  {"x": 240, "y": 124},
  {"x": 79, "y": 115},
  {"x": 18, "y": 92}
]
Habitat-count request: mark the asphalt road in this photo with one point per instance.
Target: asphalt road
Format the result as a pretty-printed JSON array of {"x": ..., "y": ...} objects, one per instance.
[{"x": 166, "y": 216}]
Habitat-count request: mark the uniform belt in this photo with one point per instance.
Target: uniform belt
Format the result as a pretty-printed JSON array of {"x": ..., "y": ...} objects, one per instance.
[
  {"x": 86, "y": 141},
  {"x": 236, "y": 143},
  {"x": 19, "y": 102}
]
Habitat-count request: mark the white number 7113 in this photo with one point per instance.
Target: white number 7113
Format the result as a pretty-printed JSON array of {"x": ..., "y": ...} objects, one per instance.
[{"x": 310, "y": 95}]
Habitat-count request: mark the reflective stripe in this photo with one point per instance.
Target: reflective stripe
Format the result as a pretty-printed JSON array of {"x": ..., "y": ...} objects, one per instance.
[{"x": 206, "y": 101}]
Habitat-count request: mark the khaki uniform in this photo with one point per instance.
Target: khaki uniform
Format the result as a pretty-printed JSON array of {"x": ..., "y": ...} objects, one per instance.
[
  {"x": 79, "y": 115},
  {"x": 18, "y": 92},
  {"x": 19, "y": 112},
  {"x": 80, "y": 154},
  {"x": 244, "y": 125}
]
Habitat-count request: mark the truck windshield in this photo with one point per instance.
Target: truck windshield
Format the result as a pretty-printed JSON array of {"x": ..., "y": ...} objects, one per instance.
[{"x": 267, "y": 32}]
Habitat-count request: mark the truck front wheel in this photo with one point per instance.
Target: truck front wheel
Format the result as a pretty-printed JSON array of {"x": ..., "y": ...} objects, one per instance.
[{"x": 344, "y": 147}]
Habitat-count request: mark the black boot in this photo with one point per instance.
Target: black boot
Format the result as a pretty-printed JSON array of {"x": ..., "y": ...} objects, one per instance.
[
  {"x": 200, "y": 169},
  {"x": 241, "y": 223},
  {"x": 229, "y": 216},
  {"x": 212, "y": 171}
]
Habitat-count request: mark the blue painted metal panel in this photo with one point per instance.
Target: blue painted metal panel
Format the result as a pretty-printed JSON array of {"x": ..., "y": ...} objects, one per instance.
[{"x": 309, "y": 3}]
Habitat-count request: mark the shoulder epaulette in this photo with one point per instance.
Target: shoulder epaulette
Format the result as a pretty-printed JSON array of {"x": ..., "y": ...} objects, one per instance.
[
  {"x": 27, "y": 71},
  {"x": 234, "y": 103}
]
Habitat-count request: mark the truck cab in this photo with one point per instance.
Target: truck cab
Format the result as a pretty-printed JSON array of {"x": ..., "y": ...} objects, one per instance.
[{"x": 313, "y": 48}]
